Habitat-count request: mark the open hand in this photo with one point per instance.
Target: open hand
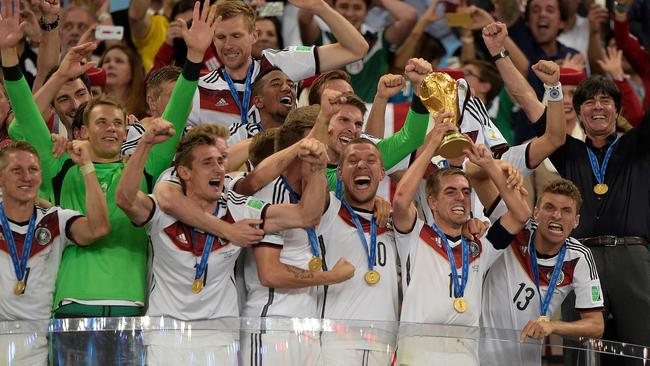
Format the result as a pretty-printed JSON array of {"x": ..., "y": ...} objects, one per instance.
[
  {"x": 12, "y": 30},
  {"x": 200, "y": 36}
]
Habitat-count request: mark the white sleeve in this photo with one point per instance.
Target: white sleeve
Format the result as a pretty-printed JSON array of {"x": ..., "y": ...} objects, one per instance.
[
  {"x": 586, "y": 283},
  {"x": 66, "y": 218},
  {"x": 169, "y": 176},
  {"x": 405, "y": 242},
  {"x": 155, "y": 223},
  {"x": 133, "y": 135},
  {"x": 518, "y": 156},
  {"x": 298, "y": 62},
  {"x": 246, "y": 207}
]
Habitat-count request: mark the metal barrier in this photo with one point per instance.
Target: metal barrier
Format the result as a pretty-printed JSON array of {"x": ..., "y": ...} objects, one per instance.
[{"x": 278, "y": 341}]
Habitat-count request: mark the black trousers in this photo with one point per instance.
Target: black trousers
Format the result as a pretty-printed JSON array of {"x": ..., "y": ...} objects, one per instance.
[{"x": 624, "y": 273}]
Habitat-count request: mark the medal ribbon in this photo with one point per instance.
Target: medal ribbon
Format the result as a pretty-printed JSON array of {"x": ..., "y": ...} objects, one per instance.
[
  {"x": 311, "y": 233},
  {"x": 339, "y": 186},
  {"x": 19, "y": 267},
  {"x": 599, "y": 171},
  {"x": 459, "y": 283},
  {"x": 243, "y": 107},
  {"x": 544, "y": 303},
  {"x": 207, "y": 248},
  {"x": 372, "y": 250}
]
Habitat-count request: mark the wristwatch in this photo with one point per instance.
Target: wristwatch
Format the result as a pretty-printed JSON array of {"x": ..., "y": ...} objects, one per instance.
[{"x": 500, "y": 55}]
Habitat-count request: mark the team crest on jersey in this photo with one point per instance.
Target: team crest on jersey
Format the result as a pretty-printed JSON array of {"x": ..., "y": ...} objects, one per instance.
[
  {"x": 560, "y": 277},
  {"x": 221, "y": 103},
  {"x": 474, "y": 249},
  {"x": 43, "y": 236}
]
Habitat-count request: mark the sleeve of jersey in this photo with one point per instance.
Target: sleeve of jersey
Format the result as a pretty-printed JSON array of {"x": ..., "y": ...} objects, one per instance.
[
  {"x": 586, "y": 284},
  {"x": 407, "y": 241},
  {"x": 176, "y": 112},
  {"x": 401, "y": 144},
  {"x": 330, "y": 174},
  {"x": 298, "y": 62},
  {"x": 28, "y": 124},
  {"x": 518, "y": 156},
  {"x": 66, "y": 219},
  {"x": 245, "y": 207},
  {"x": 153, "y": 223}
]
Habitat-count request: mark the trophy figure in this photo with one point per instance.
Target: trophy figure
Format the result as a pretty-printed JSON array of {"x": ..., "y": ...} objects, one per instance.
[{"x": 439, "y": 93}]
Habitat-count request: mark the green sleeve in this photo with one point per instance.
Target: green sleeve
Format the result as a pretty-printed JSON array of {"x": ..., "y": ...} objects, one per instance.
[
  {"x": 28, "y": 125},
  {"x": 331, "y": 178},
  {"x": 176, "y": 112},
  {"x": 401, "y": 144}
]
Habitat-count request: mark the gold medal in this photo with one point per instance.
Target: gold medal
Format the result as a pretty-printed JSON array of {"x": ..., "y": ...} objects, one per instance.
[
  {"x": 372, "y": 277},
  {"x": 600, "y": 189},
  {"x": 197, "y": 285},
  {"x": 20, "y": 288},
  {"x": 315, "y": 264},
  {"x": 460, "y": 304},
  {"x": 543, "y": 318}
]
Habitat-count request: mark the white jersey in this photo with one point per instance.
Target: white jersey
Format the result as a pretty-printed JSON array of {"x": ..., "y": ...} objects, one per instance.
[
  {"x": 518, "y": 156},
  {"x": 426, "y": 274},
  {"x": 510, "y": 298},
  {"x": 177, "y": 250},
  {"x": 354, "y": 298},
  {"x": 213, "y": 102},
  {"x": 264, "y": 301},
  {"x": 52, "y": 227},
  {"x": 240, "y": 132}
]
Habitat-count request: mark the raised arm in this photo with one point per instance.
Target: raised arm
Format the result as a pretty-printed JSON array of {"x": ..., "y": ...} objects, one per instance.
[
  {"x": 198, "y": 38},
  {"x": 50, "y": 46},
  {"x": 95, "y": 224},
  {"x": 310, "y": 208},
  {"x": 350, "y": 46},
  {"x": 542, "y": 147},
  {"x": 404, "y": 211},
  {"x": 518, "y": 211},
  {"x": 72, "y": 66},
  {"x": 136, "y": 204},
  {"x": 404, "y": 18},
  {"x": 494, "y": 36},
  {"x": 399, "y": 145},
  {"x": 388, "y": 86}
]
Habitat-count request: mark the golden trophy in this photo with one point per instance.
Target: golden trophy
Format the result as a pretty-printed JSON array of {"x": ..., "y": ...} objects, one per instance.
[{"x": 439, "y": 93}]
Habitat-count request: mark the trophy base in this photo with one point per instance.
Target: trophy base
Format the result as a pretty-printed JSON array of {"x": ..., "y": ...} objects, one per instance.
[{"x": 452, "y": 145}]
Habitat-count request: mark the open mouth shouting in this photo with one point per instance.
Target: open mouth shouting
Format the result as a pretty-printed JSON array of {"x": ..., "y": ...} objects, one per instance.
[{"x": 362, "y": 182}]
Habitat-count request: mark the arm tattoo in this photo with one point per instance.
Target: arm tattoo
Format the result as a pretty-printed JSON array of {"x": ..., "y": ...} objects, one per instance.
[{"x": 299, "y": 274}]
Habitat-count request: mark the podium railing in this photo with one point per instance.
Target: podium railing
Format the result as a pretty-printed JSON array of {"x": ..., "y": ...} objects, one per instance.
[{"x": 281, "y": 341}]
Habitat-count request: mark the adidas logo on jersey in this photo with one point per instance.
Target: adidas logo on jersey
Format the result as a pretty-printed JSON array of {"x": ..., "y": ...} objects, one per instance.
[
  {"x": 182, "y": 238},
  {"x": 221, "y": 103}
]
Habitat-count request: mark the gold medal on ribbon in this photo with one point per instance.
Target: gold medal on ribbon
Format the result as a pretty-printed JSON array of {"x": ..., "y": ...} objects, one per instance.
[
  {"x": 197, "y": 285},
  {"x": 460, "y": 304},
  {"x": 20, "y": 288},
  {"x": 372, "y": 277},
  {"x": 315, "y": 264},
  {"x": 600, "y": 189},
  {"x": 543, "y": 318}
]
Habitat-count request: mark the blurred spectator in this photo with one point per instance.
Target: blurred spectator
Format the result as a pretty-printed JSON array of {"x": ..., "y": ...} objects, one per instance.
[
  {"x": 366, "y": 72},
  {"x": 125, "y": 78},
  {"x": 612, "y": 64},
  {"x": 268, "y": 35},
  {"x": 149, "y": 29},
  {"x": 75, "y": 20},
  {"x": 484, "y": 80},
  {"x": 637, "y": 56}
]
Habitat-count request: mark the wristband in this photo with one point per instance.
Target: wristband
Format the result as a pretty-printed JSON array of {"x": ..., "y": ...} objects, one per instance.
[
  {"x": 49, "y": 26},
  {"x": 87, "y": 168},
  {"x": 500, "y": 55},
  {"x": 553, "y": 93}
]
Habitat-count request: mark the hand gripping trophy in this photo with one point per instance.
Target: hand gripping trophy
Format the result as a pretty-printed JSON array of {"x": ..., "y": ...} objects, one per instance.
[{"x": 439, "y": 93}]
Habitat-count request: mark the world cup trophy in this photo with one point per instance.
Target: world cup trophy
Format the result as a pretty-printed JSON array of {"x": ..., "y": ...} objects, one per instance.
[{"x": 439, "y": 93}]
